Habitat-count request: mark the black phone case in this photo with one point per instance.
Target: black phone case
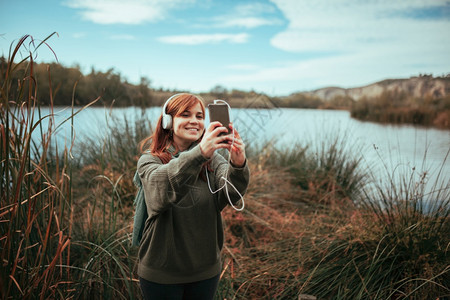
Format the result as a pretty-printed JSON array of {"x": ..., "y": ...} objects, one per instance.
[{"x": 219, "y": 112}]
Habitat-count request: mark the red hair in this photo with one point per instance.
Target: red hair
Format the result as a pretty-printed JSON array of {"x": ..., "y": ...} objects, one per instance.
[{"x": 161, "y": 139}]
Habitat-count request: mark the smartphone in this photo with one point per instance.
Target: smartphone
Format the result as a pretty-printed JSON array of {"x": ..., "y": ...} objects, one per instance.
[{"x": 219, "y": 112}]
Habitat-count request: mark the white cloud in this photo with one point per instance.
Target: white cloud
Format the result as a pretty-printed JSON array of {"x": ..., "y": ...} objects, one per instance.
[
  {"x": 254, "y": 8},
  {"x": 246, "y": 22},
  {"x": 250, "y": 15},
  {"x": 354, "y": 25},
  {"x": 124, "y": 11},
  {"x": 196, "y": 39}
]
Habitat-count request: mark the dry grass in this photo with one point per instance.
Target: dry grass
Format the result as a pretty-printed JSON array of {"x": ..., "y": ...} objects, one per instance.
[
  {"x": 268, "y": 246},
  {"x": 286, "y": 244}
]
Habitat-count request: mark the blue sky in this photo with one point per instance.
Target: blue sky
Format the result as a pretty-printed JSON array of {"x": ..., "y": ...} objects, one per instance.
[{"x": 277, "y": 47}]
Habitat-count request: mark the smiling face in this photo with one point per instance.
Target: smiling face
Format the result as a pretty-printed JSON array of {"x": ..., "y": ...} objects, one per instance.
[{"x": 188, "y": 126}]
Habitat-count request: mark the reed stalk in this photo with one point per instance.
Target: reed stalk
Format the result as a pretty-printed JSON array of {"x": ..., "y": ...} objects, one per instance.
[
  {"x": 38, "y": 247},
  {"x": 34, "y": 234}
]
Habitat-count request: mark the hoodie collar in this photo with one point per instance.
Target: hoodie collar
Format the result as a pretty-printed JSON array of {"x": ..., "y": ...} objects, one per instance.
[{"x": 175, "y": 152}]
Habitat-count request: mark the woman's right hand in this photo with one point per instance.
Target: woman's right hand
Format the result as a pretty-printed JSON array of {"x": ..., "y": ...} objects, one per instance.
[{"x": 211, "y": 140}]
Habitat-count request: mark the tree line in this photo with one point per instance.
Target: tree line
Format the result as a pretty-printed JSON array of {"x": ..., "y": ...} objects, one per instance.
[
  {"x": 61, "y": 86},
  {"x": 397, "y": 107}
]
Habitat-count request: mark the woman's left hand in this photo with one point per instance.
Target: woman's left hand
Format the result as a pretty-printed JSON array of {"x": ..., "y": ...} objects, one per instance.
[{"x": 237, "y": 149}]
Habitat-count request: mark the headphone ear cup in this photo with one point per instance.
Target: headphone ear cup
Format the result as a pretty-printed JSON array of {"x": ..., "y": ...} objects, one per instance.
[{"x": 166, "y": 121}]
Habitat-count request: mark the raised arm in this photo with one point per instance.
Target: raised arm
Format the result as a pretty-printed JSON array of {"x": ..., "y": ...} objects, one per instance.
[{"x": 162, "y": 182}]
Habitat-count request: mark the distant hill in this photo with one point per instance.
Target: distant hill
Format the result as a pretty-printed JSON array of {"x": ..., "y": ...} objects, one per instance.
[
  {"x": 422, "y": 100},
  {"x": 424, "y": 86}
]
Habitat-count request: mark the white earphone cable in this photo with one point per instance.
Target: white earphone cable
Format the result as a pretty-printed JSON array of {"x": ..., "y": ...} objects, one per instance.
[{"x": 228, "y": 170}]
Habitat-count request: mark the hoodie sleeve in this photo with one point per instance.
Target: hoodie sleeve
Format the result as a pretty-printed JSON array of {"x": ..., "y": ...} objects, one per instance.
[{"x": 163, "y": 182}]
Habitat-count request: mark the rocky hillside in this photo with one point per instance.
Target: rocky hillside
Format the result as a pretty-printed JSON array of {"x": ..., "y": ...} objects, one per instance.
[{"x": 423, "y": 86}]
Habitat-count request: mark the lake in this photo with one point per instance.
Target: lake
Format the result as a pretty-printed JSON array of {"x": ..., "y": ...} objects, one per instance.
[{"x": 386, "y": 149}]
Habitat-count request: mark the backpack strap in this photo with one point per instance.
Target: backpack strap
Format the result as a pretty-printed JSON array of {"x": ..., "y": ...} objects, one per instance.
[{"x": 140, "y": 213}]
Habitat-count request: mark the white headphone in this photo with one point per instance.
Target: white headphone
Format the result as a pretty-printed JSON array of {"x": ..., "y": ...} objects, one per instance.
[{"x": 166, "y": 120}]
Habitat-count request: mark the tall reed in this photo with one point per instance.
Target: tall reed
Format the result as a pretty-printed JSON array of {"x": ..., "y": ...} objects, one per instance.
[
  {"x": 35, "y": 209},
  {"x": 41, "y": 251}
]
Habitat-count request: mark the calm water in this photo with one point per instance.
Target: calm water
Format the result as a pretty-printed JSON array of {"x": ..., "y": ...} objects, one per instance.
[{"x": 386, "y": 149}]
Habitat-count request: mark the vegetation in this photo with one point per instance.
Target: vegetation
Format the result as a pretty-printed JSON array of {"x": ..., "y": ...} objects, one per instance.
[
  {"x": 300, "y": 100},
  {"x": 314, "y": 223},
  {"x": 399, "y": 108},
  {"x": 387, "y": 242},
  {"x": 53, "y": 244},
  {"x": 109, "y": 85}
]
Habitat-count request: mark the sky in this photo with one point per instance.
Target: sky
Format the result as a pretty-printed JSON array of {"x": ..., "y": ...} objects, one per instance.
[{"x": 277, "y": 47}]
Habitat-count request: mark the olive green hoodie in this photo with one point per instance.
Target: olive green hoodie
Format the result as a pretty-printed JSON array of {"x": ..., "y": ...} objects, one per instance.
[{"x": 183, "y": 235}]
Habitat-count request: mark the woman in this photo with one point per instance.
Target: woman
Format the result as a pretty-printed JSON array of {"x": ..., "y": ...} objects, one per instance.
[{"x": 179, "y": 254}]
